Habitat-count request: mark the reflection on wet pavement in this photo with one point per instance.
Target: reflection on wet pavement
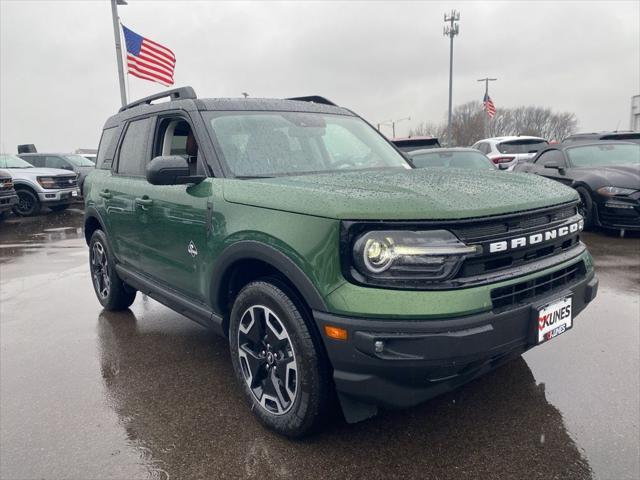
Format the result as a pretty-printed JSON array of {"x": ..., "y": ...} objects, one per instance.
[{"x": 148, "y": 394}]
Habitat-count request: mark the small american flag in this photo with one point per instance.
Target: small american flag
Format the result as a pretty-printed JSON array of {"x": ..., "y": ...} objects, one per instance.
[
  {"x": 489, "y": 107},
  {"x": 148, "y": 60}
]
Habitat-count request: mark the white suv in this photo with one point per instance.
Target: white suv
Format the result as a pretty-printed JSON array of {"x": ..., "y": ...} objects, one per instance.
[{"x": 506, "y": 152}]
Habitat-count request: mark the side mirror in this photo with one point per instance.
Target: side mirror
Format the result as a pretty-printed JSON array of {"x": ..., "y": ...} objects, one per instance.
[
  {"x": 170, "y": 170},
  {"x": 555, "y": 166}
]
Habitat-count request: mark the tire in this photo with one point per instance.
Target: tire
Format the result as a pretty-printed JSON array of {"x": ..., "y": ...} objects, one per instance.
[
  {"x": 28, "y": 203},
  {"x": 268, "y": 331},
  {"x": 113, "y": 294},
  {"x": 59, "y": 208},
  {"x": 586, "y": 208}
]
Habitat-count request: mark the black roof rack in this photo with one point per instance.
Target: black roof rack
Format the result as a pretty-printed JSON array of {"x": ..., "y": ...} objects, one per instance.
[
  {"x": 182, "y": 93},
  {"x": 313, "y": 99}
]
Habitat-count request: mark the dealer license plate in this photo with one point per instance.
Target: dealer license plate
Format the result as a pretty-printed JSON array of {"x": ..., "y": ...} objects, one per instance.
[{"x": 554, "y": 319}]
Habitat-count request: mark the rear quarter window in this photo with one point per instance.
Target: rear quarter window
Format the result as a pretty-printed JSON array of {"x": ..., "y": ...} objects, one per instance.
[{"x": 106, "y": 148}]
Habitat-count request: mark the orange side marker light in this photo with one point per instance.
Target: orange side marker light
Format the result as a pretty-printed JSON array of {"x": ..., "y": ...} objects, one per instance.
[{"x": 336, "y": 333}]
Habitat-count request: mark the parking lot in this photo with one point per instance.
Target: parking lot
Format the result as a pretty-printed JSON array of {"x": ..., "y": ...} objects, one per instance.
[{"x": 149, "y": 394}]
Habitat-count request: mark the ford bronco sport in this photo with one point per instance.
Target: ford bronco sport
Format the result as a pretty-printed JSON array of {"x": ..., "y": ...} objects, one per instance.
[{"x": 296, "y": 230}]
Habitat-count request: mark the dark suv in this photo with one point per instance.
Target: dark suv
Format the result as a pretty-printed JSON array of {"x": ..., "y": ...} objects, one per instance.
[{"x": 297, "y": 231}]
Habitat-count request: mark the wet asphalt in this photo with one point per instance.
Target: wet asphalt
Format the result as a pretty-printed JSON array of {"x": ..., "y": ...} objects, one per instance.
[{"x": 89, "y": 394}]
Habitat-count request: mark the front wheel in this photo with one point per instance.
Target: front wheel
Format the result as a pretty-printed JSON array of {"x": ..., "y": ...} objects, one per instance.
[
  {"x": 277, "y": 360},
  {"x": 585, "y": 208},
  {"x": 111, "y": 291},
  {"x": 28, "y": 203}
]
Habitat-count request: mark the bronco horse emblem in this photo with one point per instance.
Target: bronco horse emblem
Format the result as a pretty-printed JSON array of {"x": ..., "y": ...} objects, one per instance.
[{"x": 191, "y": 249}]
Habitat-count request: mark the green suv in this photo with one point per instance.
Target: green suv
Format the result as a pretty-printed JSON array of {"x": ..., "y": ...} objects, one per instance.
[{"x": 335, "y": 269}]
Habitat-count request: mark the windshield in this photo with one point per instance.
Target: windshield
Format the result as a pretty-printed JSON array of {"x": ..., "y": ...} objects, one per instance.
[
  {"x": 79, "y": 161},
  {"x": 11, "y": 161},
  {"x": 604, "y": 155},
  {"x": 453, "y": 159},
  {"x": 293, "y": 143},
  {"x": 522, "y": 146}
]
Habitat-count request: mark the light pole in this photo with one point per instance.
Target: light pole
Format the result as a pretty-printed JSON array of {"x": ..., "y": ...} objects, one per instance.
[
  {"x": 451, "y": 31},
  {"x": 116, "y": 34}
]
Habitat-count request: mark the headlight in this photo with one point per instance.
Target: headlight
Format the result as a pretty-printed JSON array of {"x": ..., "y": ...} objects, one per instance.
[
  {"x": 47, "y": 182},
  {"x": 614, "y": 191},
  {"x": 408, "y": 255}
]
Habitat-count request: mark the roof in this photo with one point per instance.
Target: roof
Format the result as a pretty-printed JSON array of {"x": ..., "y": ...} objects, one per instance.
[
  {"x": 227, "y": 104},
  {"x": 511, "y": 138},
  {"x": 587, "y": 143},
  {"x": 269, "y": 104},
  {"x": 444, "y": 150},
  {"x": 398, "y": 139}
]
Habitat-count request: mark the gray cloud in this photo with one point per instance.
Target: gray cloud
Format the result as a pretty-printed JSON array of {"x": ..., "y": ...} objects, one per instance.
[{"x": 385, "y": 60}]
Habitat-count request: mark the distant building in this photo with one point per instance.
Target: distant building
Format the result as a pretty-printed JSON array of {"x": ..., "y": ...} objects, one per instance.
[{"x": 635, "y": 113}]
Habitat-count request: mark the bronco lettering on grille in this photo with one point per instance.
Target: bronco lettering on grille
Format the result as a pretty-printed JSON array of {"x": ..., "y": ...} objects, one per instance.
[{"x": 519, "y": 242}]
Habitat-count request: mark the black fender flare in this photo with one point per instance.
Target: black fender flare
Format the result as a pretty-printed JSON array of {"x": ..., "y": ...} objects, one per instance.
[
  {"x": 91, "y": 212},
  {"x": 254, "y": 250}
]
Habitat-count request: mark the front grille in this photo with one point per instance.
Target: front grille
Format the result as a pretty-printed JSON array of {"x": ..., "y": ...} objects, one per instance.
[
  {"x": 512, "y": 227},
  {"x": 506, "y": 298},
  {"x": 490, "y": 228},
  {"x": 65, "y": 181}
]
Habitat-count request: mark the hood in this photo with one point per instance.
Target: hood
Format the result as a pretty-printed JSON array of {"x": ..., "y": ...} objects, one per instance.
[
  {"x": 624, "y": 176},
  {"x": 420, "y": 194},
  {"x": 28, "y": 172}
]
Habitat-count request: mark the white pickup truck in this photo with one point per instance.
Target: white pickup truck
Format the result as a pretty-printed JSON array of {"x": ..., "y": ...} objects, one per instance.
[{"x": 39, "y": 187}]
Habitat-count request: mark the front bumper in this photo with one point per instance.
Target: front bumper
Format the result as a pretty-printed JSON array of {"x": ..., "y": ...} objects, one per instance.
[
  {"x": 59, "y": 197},
  {"x": 8, "y": 201},
  {"x": 420, "y": 359},
  {"x": 618, "y": 213}
]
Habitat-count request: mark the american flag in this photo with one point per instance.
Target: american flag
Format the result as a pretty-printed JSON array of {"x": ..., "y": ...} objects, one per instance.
[
  {"x": 147, "y": 59},
  {"x": 489, "y": 107}
]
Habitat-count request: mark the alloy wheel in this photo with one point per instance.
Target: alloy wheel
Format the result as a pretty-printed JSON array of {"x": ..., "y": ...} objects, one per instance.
[
  {"x": 100, "y": 269},
  {"x": 267, "y": 359},
  {"x": 25, "y": 203}
]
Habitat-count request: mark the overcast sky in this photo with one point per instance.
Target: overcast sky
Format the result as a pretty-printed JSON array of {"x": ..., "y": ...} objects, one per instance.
[{"x": 383, "y": 59}]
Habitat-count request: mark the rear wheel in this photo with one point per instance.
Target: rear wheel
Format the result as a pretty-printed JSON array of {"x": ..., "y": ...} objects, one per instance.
[
  {"x": 28, "y": 203},
  {"x": 277, "y": 361},
  {"x": 111, "y": 291}
]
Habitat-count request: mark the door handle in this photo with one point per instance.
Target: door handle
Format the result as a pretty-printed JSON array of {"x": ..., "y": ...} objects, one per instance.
[
  {"x": 105, "y": 194},
  {"x": 144, "y": 201}
]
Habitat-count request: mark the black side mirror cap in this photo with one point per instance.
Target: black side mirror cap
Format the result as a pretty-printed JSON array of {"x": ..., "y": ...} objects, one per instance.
[
  {"x": 170, "y": 170},
  {"x": 555, "y": 166}
]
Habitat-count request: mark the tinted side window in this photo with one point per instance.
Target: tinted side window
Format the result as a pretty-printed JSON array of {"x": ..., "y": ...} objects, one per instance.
[
  {"x": 133, "y": 150},
  {"x": 106, "y": 148},
  {"x": 55, "y": 162},
  {"x": 552, "y": 156},
  {"x": 36, "y": 161}
]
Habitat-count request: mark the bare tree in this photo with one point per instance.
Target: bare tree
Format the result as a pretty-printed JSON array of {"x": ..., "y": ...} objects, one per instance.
[
  {"x": 470, "y": 124},
  {"x": 425, "y": 129}
]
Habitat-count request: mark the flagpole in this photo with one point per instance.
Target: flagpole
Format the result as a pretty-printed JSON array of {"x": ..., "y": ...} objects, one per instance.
[
  {"x": 486, "y": 94},
  {"x": 116, "y": 34}
]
